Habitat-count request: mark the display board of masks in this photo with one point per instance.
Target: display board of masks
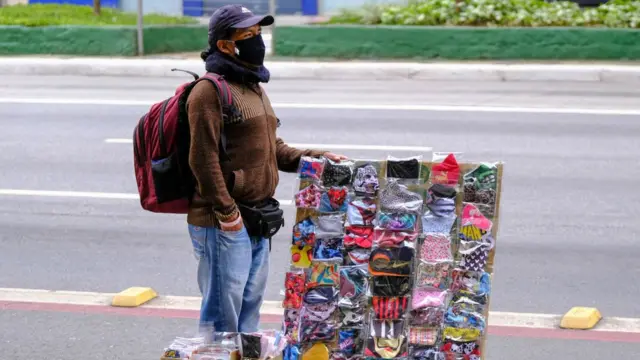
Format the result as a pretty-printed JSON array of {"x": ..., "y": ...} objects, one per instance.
[{"x": 391, "y": 259}]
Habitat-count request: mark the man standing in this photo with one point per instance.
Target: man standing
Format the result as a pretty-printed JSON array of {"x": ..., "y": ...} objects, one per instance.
[{"x": 234, "y": 264}]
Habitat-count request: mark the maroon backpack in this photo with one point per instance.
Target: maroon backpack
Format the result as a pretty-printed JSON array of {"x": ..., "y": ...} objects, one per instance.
[{"x": 161, "y": 149}]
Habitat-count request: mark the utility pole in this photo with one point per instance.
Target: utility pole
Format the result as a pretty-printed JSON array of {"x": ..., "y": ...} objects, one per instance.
[
  {"x": 97, "y": 8},
  {"x": 140, "y": 29}
]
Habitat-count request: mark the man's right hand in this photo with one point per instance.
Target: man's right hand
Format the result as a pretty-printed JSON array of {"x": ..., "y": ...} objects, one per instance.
[{"x": 232, "y": 225}]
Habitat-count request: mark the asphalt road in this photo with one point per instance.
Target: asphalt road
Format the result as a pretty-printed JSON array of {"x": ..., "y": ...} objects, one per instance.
[{"x": 569, "y": 208}]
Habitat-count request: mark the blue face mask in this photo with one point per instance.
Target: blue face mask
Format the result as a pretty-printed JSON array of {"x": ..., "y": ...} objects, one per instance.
[{"x": 251, "y": 50}]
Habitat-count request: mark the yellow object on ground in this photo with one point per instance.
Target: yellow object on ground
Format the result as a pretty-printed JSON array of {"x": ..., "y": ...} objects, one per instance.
[
  {"x": 581, "y": 318},
  {"x": 319, "y": 351},
  {"x": 134, "y": 296}
]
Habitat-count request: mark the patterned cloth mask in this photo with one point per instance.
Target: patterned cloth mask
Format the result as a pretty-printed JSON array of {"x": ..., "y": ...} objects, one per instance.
[
  {"x": 357, "y": 257},
  {"x": 428, "y": 317},
  {"x": 480, "y": 185},
  {"x": 361, "y": 212},
  {"x": 320, "y": 295},
  {"x": 334, "y": 200},
  {"x": 470, "y": 350},
  {"x": 329, "y": 249},
  {"x": 426, "y": 298},
  {"x": 291, "y": 323},
  {"x": 386, "y": 348},
  {"x": 389, "y": 308},
  {"x": 319, "y": 312},
  {"x": 301, "y": 256},
  {"x": 388, "y": 329},
  {"x": 366, "y": 181},
  {"x": 436, "y": 247},
  {"x": 397, "y": 222},
  {"x": 391, "y": 261},
  {"x": 294, "y": 289},
  {"x": 396, "y": 197},
  {"x": 313, "y": 331},
  {"x": 459, "y": 334},
  {"x": 309, "y": 197},
  {"x": 471, "y": 284},
  {"x": 446, "y": 172},
  {"x": 434, "y": 274},
  {"x": 403, "y": 169},
  {"x": 304, "y": 232},
  {"x": 323, "y": 274},
  {"x": 475, "y": 254},
  {"x": 459, "y": 318},
  {"x": 429, "y": 353},
  {"x": 354, "y": 284},
  {"x": 423, "y": 336},
  {"x": 432, "y": 223},
  {"x": 352, "y": 317},
  {"x": 311, "y": 168},
  {"x": 349, "y": 341},
  {"x": 385, "y": 238},
  {"x": 337, "y": 174},
  {"x": 357, "y": 236}
]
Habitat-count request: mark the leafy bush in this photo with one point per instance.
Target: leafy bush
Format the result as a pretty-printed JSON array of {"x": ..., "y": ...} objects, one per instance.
[
  {"x": 53, "y": 14},
  {"x": 493, "y": 13}
]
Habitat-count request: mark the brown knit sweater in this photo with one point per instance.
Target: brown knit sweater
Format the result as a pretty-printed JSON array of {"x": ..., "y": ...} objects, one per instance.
[{"x": 256, "y": 153}]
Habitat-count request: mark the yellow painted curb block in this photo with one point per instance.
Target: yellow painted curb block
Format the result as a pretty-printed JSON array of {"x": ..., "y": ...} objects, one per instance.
[
  {"x": 581, "y": 318},
  {"x": 133, "y": 296}
]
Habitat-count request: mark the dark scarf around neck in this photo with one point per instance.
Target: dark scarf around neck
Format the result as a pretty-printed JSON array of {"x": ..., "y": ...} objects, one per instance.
[{"x": 224, "y": 65}]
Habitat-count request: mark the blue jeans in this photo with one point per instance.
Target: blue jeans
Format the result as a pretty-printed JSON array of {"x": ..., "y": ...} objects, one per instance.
[{"x": 232, "y": 276}]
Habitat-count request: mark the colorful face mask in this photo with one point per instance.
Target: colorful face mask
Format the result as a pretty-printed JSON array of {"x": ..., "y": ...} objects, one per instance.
[
  {"x": 428, "y": 317},
  {"x": 475, "y": 254},
  {"x": 397, "y": 221},
  {"x": 432, "y": 223},
  {"x": 301, "y": 256},
  {"x": 436, "y": 247},
  {"x": 485, "y": 176},
  {"x": 429, "y": 353},
  {"x": 403, "y": 169},
  {"x": 357, "y": 257},
  {"x": 475, "y": 285},
  {"x": 366, "y": 181},
  {"x": 472, "y": 216},
  {"x": 291, "y": 323},
  {"x": 391, "y": 261},
  {"x": 294, "y": 289},
  {"x": 434, "y": 274},
  {"x": 387, "y": 348},
  {"x": 337, "y": 174},
  {"x": 320, "y": 295},
  {"x": 425, "y": 298},
  {"x": 313, "y": 331},
  {"x": 459, "y": 334},
  {"x": 389, "y": 308},
  {"x": 397, "y": 198},
  {"x": 311, "y": 168},
  {"x": 318, "y": 312},
  {"x": 349, "y": 341},
  {"x": 354, "y": 284},
  {"x": 334, "y": 200},
  {"x": 304, "y": 233},
  {"x": 470, "y": 349},
  {"x": 323, "y": 274},
  {"x": 459, "y": 318},
  {"x": 447, "y": 172},
  {"x": 361, "y": 212},
  {"x": 387, "y": 238},
  {"x": 309, "y": 197},
  {"x": 352, "y": 317},
  {"x": 388, "y": 329},
  {"x": 423, "y": 336},
  {"x": 358, "y": 236},
  {"x": 329, "y": 249}
]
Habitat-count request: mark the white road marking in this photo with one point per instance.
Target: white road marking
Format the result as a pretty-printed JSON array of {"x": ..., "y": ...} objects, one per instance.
[
  {"x": 85, "y": 194},
  {"x": 326, "y": 146},
  {"x": 347, "y": 106},
  {"x": 496, "y": 318}
]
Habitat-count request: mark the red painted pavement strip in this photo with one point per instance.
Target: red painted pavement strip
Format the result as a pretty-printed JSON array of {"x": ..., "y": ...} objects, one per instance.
[{"x": 502, "y": 331}]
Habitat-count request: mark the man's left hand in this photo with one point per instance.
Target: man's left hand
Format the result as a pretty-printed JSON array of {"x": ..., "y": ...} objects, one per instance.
[{"x": 335, "y": 157}]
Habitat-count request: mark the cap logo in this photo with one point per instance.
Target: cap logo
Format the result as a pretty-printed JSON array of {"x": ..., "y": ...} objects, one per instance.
[{"x": 245, "y": 10}]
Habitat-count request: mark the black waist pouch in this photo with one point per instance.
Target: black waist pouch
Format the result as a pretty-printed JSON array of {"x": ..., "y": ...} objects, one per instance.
[{"x": 264, "y": 219}]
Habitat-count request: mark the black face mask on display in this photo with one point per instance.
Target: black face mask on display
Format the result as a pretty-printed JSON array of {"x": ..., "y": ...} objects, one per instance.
[{"x": 251, "y": 50}]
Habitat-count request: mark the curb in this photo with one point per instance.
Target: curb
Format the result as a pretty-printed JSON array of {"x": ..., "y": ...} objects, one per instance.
[{"x": 604, "y": 73}]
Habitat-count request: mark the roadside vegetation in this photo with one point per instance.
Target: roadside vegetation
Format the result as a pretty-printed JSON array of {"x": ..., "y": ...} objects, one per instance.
[
  {"x": 495, "y": 13},
  {"x": 54, "y": 14}
]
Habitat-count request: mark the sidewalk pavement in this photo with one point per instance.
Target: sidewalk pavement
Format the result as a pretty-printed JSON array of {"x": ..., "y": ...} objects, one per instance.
[{"x": 313, "y": 70}]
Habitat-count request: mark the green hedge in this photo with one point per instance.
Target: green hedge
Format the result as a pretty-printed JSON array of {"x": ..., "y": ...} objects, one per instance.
[
  {"x": 457, "y": 43},
  {"x": 527, "y": 13},
  {"x": 100, "y": 41}
]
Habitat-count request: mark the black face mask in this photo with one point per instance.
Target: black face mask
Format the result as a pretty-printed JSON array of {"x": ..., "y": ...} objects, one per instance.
[{"x": 251, "y": 50}]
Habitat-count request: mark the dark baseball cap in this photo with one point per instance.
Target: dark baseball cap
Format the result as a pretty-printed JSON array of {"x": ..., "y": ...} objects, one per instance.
[{"x": 234, "y": 17}]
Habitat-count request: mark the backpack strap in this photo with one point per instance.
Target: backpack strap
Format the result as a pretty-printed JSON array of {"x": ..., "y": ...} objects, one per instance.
[{"x": 226, "y": 102}]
